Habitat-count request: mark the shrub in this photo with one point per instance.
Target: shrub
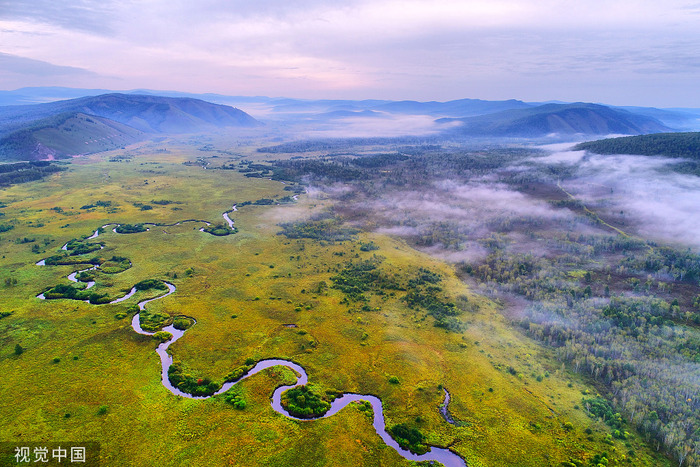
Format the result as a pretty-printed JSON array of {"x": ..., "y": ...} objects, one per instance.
[
  {"x": 236, "y": 400},
  {"x": 408, "y": 438},
  {"x": 162, "y": 336},
  {"x": 151, "y": 284},
  {"x": 302, "y": 402},
  {"x": 181, "y": 323}
]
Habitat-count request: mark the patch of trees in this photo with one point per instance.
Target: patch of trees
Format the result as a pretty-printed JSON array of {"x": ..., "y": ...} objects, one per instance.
[
  {"x": 220, "y": 230},
  {"x": 22, "y": 172},
  {"x": 64, "y": 260},
  {"x": 164, "y": 202},
  {"x": 152, "y": 321},
  {"x": 681, "y": 265},
  {"x": 357, "y": 278},
  {"x": 303, "y": 402},
  {"x": 182, "y": 323},
  {"x": 424, "y": 293},
  {"x": 73, "y": 293},
  {"x": 264, "y": 202},
  {"x": 115, "y": 265},
  {"x": 85, "y": 276},
  {"x": 185, "y": 382},
  {"x": 236, "y": 400},
  {"x": 599, "y": 407},
  {"x": 409, "y": 438},
  {"x": 78, "y": 247},
  {"x": 318, "y": 169},
  {"x": 685, "y": 145},
  {"x": 375, "y": 161},
  {"x": 150, "y": 284},
  {"x": 101, "y": 204},
  {"x": 6, "y": 227},
  {"x": 368, "y": 246},
  {"x": 130, "y": 228},
  {"x": 324, "y": 228}
]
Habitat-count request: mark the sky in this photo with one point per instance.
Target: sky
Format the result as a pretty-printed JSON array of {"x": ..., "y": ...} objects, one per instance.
[{"x": 618, "y": 52}]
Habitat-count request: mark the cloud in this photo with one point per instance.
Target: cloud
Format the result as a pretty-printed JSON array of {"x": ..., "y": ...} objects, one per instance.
[
  {"x": 390, "y": 126},
  {"x": 639, "y": 194},
  {"x": 615, "y": 51},
  {"x": 84, "y": 15},
  {"x": 12, "y": 64}
]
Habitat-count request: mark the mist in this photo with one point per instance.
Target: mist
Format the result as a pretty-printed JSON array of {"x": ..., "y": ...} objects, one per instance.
[{"x": 639, "y": 193}]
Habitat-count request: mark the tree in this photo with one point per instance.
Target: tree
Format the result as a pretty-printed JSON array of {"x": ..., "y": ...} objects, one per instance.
[{"x": 18, "y": 349}]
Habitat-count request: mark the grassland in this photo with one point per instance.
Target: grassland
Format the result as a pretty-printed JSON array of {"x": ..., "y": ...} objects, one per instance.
[{"x": 515, "y": 404}]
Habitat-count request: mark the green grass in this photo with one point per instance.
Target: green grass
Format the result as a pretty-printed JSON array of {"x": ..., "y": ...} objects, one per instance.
[{"x": 266, "y": 280}]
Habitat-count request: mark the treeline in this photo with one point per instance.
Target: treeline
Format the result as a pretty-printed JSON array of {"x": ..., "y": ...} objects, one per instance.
[
  {"x": 686, "y": 145},
  {"x": 346, "y": 144},
  {"x": 22, "y": 172}
]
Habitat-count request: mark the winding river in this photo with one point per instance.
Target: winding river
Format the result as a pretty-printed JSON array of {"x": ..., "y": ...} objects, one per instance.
[{"x": 444, "y": 456}]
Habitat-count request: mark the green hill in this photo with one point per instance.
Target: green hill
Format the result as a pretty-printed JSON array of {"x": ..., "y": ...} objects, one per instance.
[
  {"x": 65, "y": 135},
  {"x": 150, "y": 114}
]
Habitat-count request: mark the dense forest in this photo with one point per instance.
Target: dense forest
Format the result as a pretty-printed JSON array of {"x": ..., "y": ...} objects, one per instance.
[
  {"x": 685, "y": 145},
  {"x": 22, "y": 172}
]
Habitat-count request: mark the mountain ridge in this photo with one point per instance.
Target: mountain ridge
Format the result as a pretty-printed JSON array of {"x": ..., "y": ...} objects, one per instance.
[
  {"x": 98, "y": 123},
  {"x": 569, "y": 119}
]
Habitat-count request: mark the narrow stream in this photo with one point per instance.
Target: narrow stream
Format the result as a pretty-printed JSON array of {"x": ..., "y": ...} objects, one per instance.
[{"x": 444, "y": 456}]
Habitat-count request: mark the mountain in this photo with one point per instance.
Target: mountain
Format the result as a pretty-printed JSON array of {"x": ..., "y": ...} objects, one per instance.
[
  {"x": 680, "y": 119},
  {"x": 561, "y": 119},
  {"x": 98, "y": 123},
  {"x": 67, "y": 134},
  {"x": 150, "y": 114},
  {"x": 686, "y": 145}
]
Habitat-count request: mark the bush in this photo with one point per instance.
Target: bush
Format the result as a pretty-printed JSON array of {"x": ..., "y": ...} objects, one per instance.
[
  {"x": 151, "y": 284},
  {"x": 186, "y": 383},
  {"x": 162, "y": 336},
  {"x": 130, "y": 228},
  {"x": 19, "y": 349},
  {"x": 302, "y": 402},
  {"x": 408, "y": 438},
  {"x": 236, "y": 400},
  {"x": 182, "y": 323},
  {"x": 219, "y": 230}
]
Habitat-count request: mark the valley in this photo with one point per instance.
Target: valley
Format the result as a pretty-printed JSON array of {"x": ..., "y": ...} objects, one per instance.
[{"x": 274, "y": 290}]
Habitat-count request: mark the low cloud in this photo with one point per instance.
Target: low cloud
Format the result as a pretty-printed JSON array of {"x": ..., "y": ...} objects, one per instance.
[
  {"x": 390, "y": 126},
  {"x": 639, "y": 193}
]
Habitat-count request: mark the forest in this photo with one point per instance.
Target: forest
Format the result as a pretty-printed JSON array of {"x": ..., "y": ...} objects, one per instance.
[
  {"x": 676, "y": 145},
  {"x": 619, "y": 309}
]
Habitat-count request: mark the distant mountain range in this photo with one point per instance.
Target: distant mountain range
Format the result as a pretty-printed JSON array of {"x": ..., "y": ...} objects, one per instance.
[
  {"x": 561, "y": 119},
  {"x": 110, "y": 120},
  {"x": 99, "y": 123}
]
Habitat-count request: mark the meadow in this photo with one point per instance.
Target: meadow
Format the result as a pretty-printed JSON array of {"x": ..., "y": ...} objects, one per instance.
[{"x": 84, "y": 375}]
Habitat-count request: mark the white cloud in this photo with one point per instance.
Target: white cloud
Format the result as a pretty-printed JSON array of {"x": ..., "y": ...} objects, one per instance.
[{"x": 497, "y": 49}]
